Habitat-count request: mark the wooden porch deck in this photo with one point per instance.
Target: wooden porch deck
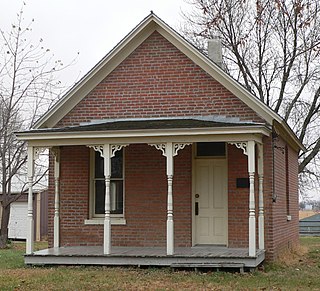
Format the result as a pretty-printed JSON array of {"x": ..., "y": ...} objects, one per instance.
[{"x": 198, "y": 256}]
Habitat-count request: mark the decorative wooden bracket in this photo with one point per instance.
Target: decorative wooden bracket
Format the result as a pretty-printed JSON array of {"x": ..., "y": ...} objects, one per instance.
[
  {"x": 243, "y": 145},
  {"x": 176, "y": 147},
  {"x": 56, "y": 153},
  {"x": 37, "y": 152},
  {"x": 113, "y": 147},
  {"x": 179, "y": 146},
  {"x": 159, "y": 146}
]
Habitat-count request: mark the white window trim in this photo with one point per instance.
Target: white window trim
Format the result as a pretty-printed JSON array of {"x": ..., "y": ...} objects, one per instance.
[
  {"x": 100, "y": 221},
  {"x": 96, "y": 218}
]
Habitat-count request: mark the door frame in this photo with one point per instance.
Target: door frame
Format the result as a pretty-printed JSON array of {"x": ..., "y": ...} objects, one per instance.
[{"x": 194, "y": 159}]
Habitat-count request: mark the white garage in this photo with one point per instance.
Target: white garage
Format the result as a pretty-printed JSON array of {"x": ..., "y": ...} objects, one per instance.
[
  {"x": 18, "y": 222},
  {"x": 17, "y": 227}
]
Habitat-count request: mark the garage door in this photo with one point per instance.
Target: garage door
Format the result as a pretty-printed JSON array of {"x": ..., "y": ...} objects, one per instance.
[{"x": 18, "y": 220}]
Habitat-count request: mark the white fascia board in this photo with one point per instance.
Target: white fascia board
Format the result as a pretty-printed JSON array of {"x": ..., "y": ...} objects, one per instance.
[
  {"x": 286, "y": 132},
  {"x": 148, "y": 140},
  {"x": 138, "y": 134}
]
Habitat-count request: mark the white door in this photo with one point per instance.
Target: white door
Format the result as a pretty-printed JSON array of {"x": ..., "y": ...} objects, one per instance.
[
  {"x": 211, "y": 202},
  {"x": 18, "y": 220}
]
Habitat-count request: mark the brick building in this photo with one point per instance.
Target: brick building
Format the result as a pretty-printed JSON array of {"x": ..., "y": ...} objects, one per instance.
[{"x": 159, "y": 157}]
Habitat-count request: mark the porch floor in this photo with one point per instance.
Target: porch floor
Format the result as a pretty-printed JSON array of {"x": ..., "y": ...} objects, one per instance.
[{"x": 213, "y": 256}]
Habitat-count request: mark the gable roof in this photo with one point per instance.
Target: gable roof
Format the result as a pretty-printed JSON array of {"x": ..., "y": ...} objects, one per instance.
[{"x": 136, "y": 37}]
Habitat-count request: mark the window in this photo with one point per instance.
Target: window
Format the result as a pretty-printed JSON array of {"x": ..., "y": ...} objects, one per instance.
[
  {"x": 116, "y": 185},
  {"x": 211, "y": 149}
]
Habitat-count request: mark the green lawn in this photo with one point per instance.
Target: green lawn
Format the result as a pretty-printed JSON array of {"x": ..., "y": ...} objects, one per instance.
[{"x": 296, "y": 272}]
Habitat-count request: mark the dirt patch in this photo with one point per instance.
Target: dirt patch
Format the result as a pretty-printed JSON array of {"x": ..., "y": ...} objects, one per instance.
[{"x": 293, "y": 255}]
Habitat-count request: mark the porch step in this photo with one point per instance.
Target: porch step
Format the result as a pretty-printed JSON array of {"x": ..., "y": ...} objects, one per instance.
[{"x": 239, "y": 266}]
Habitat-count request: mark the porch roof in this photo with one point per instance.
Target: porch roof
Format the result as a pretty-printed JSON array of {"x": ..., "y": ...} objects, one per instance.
[
  {"x": 136, "y": 124},
  {"x": 146, "y": 130}
]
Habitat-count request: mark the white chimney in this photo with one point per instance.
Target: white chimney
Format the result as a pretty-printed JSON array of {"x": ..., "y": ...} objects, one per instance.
[{"x": 215, "y": 50}]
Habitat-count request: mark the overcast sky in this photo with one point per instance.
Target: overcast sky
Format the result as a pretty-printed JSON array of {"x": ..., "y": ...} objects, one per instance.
[{"x": 90, "y": 27}]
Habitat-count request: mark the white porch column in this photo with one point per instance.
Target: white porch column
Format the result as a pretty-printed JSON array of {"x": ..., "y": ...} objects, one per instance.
[
  {"x": 261, "y": 204},
  {"x": 252, "y": 214},
  {"x": 169, "y": 150},
  {"x": 56, "y": 221},
  {"x": 107, "y": 151},
  {"x": 170, "y": 224},
  {"x": 30, "y": 222},
  {"x": 107, "y": 219}
]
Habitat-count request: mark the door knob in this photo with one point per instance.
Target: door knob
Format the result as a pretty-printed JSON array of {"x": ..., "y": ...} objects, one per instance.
[{"x": 197, "y": 195}]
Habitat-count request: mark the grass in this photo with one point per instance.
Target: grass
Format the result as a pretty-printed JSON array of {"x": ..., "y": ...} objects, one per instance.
[
  {"x": 12, "y": 257},
  {"x": 298, "y": 270}
]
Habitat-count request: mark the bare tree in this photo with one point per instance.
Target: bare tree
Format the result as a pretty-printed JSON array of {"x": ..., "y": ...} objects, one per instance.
[
  {"x": 28, "y": 87},
  {"x": 272, "y": 47}
]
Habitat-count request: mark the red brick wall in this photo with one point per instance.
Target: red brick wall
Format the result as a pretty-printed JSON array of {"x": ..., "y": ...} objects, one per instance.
[
  {"x": 145, "y": 199},
  {"x": 285, "y": 233},
  {"x": 74, "y": 189},
  {"x": 279, "y": 233},
  {"x": 267, "y": 196},
  {"x": 157, "y": 80},
  {"x": 238, "y": 199}
]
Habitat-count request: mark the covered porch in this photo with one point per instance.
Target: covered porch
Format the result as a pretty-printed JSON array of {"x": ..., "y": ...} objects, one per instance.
[{"x": 168, "y": 137}]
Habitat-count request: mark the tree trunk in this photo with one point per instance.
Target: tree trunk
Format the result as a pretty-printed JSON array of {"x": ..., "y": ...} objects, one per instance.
[{"x": 4, "y": 227}]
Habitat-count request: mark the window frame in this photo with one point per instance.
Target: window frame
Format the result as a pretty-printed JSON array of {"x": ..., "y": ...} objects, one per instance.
[
  {"x": 211, "y": 157},
  {"x": 92, "y": 194}
]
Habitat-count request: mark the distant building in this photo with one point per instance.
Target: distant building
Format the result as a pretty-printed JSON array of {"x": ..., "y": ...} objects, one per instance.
[
  {"x": 310, "y": 226},
  {"x": 308, "y": 207},
  {"x": 17, "y": 228}
]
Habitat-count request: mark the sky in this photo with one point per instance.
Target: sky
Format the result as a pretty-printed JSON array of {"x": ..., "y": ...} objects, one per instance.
[{"x": 91, "y": 28}]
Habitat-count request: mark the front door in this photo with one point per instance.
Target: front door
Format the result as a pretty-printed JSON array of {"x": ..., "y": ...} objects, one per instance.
[{"x": 211, "y": 199}]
